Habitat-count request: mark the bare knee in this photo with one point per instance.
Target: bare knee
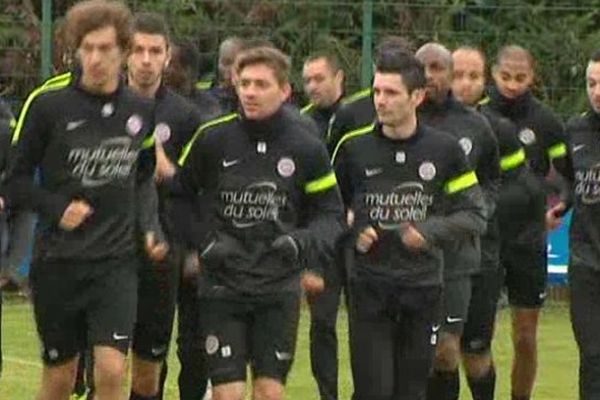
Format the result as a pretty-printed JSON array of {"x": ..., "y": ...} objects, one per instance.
[
  {"x": 145, "y": 376},
  {"x": 109, "y": 368},
  {"x": 267, "y": 389},
  {"x": 477, "y": 365},
  {"x": 58, "y": 381},
  {"x": 447, "y": 352},
  {"x": 229, "y": 391}
]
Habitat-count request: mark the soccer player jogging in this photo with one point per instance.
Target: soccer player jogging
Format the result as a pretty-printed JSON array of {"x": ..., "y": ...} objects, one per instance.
[
  {"x": 468, "y": 85},
  {"x": 584, "y": 262},
  {"x": 87, "y": 139},
  {"x": 175, "y": 121},
  {"x": 524, "y": 255},
  {"x": 275, "y": 209},
  {"x": 412, "y": 191},
  {"x": 463, "y": 258},
  {"x": 323, "y": 84}
]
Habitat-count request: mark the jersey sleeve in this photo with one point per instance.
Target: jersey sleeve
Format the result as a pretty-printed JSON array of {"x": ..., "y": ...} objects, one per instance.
[{"x": 464, "y": 208}]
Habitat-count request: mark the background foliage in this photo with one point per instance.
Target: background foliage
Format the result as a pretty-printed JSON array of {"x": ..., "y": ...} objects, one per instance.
[{"x": 561, "y": 34}]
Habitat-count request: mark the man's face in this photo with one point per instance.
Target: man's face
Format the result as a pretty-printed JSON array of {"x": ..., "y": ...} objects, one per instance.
[
  {"x": 593, "y": 85},
  {"x": 101, "y": 60},
  {"x": 513, "y": 76},
  {"x": 393, "y": 103},
  {"x": 439, "y": 75},
  {"x": 322, "y": 85},
  {"x": 148, "y": 59},
  {"x": 261, "y": 95},
  {"x": 468, "y": 80}
]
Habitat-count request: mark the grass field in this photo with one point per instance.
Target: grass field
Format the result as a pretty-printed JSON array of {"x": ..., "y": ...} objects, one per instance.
[{"x": 557, "y": 376}]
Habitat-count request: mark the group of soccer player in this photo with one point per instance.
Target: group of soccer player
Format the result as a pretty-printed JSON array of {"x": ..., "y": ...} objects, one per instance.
[{"x": 420, "y": 198}]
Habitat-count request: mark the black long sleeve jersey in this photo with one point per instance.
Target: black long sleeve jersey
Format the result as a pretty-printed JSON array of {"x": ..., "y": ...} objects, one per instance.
[
  {"x": 585, "y": 223},
  {"x": 86, "y": 147},
  {"x": 475, "y": 136},
  {"x": 425, "y": 181},
  {"x": 354, "y": 112},
  {"x": 323, "y": 118},
  {"x": 261, "y": 180},
  {"x": 540, "y": 131}
]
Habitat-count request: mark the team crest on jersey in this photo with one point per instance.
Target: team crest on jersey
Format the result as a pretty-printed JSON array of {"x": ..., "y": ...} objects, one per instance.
[
  {"x": 400, "y": 157},
  {"x": 162, "y": 132},
  {"x": 527, "y": 136},
  {"x": 466, "y": 144},
  {"x": 286, "y": 167},
  {"x": 211, "y": 344},
  {"x": 427, "y": 171},
  {"x": 134, "y": 125},
  {"x": 107, "y": 110}
]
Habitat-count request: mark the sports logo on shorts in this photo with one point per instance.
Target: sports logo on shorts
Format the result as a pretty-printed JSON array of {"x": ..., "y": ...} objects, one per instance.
[
  {"x": 162, "y": 132},
  {"x": 400, "y": 157},
  {"x": 107, "y": 110},
  {"x": 427, "y": 171},
  {"x": 52, "y": 354},
  {"x": 211, "y": 345},
  {"x": 527, "y": 136},
  {"x": 466, "y": 144},
  {"x": 286, "y": 167},
  {"x": 134, "y": 125}
]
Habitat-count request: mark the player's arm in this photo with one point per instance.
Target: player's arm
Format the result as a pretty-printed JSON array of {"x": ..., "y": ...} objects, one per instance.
[
  {"x": 324, "y": 216},
  {"x": 464, "y": 207},
  {"x": 28, "y": 151},
  {"x": 488, "y": 169}
]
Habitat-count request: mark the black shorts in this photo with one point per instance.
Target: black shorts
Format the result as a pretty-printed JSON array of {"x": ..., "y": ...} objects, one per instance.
[
  {"x": 526, "y": 273},
  {"x": 479, "y": 328},
  {"x": 84, "y": 304},
  {"x": 455, "y": 304},
  {"x": 157, "y": 295},
  {"x": 394, "y": 331},
  {"x": 259, "y": 331}
]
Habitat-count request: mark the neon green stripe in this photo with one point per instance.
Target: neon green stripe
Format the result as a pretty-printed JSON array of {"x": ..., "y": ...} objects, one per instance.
[
  {"x": 46, "y": 87},
  {"x": 352, "y": 134},
  {"x": 307, "y": 108},
  {"x": 321, "y": 184},
  {"x": 513, "y": 160},
  {"x": 203, "y": 85},
  {"x": 188, "y": 147},
  {"x": 557, "y": 151},
  {"x": 357, "y": 96},
  {"x": 57, "y": 79},
  {"x": 148, "y": 142},
  {"x": 462, "y": 182},
  {"x": 483, "y": 101},
  {"x": 12, "y": 123}
]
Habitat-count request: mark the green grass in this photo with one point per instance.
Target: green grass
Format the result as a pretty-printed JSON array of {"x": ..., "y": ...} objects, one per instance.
[{"x": 557, "y": 376}]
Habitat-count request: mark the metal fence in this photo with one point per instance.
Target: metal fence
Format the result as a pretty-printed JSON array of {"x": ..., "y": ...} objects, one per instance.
[{"x": 560, "y": 34}]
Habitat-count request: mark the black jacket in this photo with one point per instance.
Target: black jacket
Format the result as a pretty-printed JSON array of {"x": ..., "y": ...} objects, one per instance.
[
  {"x": 260, "y": 181},
  {"x": 425, "y": 181}
]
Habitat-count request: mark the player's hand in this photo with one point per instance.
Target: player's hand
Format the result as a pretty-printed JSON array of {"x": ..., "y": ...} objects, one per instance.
[
  {"x": 312, "y": 283},
  {"x": 287, "y": 246},
  {"x": 554, "y": 216},
  {"x": 191, "y": 266},
  {"x": 2, "y": 204},
  {"x": 76, "y": 212},
  {"x": 366, "y": 239},
  {"x": 156, "y": 251},
  {"x": 164, "y": 167},
  {"x": 412, "y": 238}
]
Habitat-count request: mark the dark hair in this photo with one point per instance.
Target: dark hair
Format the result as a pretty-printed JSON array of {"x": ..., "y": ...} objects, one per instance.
[
  {"x": 595, "y": 56},
  {"x": 152, "y": 24},
  {"x": 472, "y": 49},
  {"x": 331, "y": 59},
  {"x": 187, "y": 55},
  {"x": 513, "y": 51},
  {"x": 269, "y": 56},
  {"x": 404, "y": 64},
  {"x": 91, "y": 15}
]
